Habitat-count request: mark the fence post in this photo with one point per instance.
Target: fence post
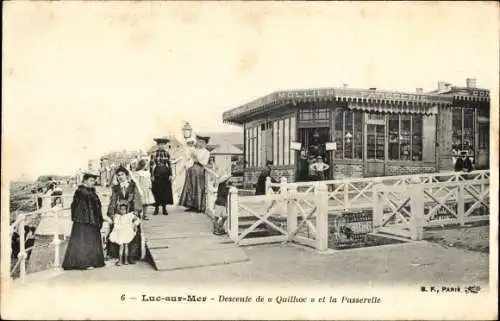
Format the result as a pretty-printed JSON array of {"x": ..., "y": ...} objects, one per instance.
[
  {"x": 233, "y": 213},
  {"x": 378, "y": 208},
  {"x": 346, "y": 193},
  {"x": 56, "y": 241},
  {"x": 416, "y": 194},
  {"x": 321, "y": 192},
  {"x": 291, "y": 215},
  {"x": 268, "y": 185},
  {"x": 461, "y": 203},
  {"x": 22, "y": 250}
]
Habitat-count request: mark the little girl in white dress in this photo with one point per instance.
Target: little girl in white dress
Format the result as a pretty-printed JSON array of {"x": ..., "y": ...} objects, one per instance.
[{"x": 124, "y": 229}]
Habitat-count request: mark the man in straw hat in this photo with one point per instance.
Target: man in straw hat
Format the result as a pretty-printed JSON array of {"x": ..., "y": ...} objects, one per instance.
[
  {"x": 193, "y": 195},
  {"x": 161, "y": 176}
]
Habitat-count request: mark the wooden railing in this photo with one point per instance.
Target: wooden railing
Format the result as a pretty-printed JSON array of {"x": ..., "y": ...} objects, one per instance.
[
  {"x": 407, "y": 211},
  {"x": 299, "y": 212},
  {"x": 24, "y": 219}
]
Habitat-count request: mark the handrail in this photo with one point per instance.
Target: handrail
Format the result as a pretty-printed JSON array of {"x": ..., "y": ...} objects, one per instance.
[{"x": 387, "y": 178}]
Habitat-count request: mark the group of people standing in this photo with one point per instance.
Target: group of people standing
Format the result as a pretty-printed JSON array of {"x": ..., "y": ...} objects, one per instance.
[{"x": 149, "y": 185}]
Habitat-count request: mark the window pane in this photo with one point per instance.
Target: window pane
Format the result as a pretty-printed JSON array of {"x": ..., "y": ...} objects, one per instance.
[
  {"x": 416, "y": 140},
  {"x": 270, "y": 142},
  {"x": 292, "y": 139},
  {"x": 275, "y": 143},
  {"x": 262, "y": 142},
  {"x": 339, "y": 133},
  {"x": 358, "y": 135},
  {"x": 247, "y": 147},
  {"x": 370, "y": 153},
  {"x": 280, "y": 145},
  {"x": 468, "y": 129},
  {"x": 394, "y": 137},
  {"x": 322, "y": 114},
  {"x": 380, "y": 141},
  {"x": 456, "y": 127},
  {"x": 258, "y": 143},
  {"x": 484, "y": 136},
  {"x": 348, "y": 141},
  {"x": 405, "y": 137},
  {"x": 286, "y": 144}
]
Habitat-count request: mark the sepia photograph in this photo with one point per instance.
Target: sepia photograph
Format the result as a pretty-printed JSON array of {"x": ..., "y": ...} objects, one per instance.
[{"x": 217, "y": 160}]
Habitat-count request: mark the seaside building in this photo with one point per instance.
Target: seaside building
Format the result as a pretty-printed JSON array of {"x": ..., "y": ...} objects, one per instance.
[{"x": 364, "y": 132}]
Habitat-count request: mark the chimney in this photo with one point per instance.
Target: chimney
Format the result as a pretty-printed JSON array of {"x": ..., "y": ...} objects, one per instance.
[
  {"x": 420, "y": 91},
  {"x": 373, "y": 88},
  {"x": 441, "y": 85},
  {"x": 471, "y": 82}
]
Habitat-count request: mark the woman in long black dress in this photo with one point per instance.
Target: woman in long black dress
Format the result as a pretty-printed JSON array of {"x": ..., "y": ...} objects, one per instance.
[
  {"x": 161, "y": 176},
  {"x": 85, "y": 249},
  {"x": 125, "y": 191}
]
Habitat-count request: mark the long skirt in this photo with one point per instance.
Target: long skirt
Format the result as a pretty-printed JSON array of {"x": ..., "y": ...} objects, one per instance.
[
  {"x": 162, "y": 191},
  {"x": 84, "y": 248},
  {"x": 193, "y": 194},
  {"x": 134, "y": 247}
]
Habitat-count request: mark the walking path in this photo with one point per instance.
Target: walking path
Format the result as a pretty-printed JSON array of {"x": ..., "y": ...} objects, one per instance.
[{"x": 185, "y": 240}]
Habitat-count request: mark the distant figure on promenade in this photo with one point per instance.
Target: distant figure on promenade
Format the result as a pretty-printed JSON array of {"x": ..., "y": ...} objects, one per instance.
[
  {"x": 260, "y": 187},
  {"x": 124, "y": 229},
  {"x": 84, "y": 249},
  {"x": 143, "y": 177},
  {"x": 193, "y": 195},
  {"x": 161, "y": 176},
  {"x": 125, "y": 190}
]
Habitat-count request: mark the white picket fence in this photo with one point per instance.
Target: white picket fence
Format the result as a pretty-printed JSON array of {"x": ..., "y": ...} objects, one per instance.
[{"x": 305, "y": 207}]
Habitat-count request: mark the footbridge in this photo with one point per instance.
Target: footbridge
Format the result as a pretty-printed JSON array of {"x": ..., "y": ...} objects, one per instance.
[{"x": 322, "y": 215}]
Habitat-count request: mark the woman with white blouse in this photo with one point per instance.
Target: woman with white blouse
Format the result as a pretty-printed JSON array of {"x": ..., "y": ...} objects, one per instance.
[{"x": 193, "y": 195}]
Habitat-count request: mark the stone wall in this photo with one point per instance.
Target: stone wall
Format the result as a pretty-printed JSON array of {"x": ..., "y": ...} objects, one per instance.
[
  {"x": 252, "y": 174},
  {"x": 342, "y": 171}
]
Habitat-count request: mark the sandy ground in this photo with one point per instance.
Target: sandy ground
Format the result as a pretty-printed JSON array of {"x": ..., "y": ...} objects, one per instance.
[{"x": 412, "y": 263}]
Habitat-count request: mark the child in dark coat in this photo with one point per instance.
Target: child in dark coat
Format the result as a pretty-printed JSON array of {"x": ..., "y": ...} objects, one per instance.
[{"x": 221, "y": 206}]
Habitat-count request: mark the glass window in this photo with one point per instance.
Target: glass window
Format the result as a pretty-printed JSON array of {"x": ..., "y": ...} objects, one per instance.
[
  {"x": 286, "y": 142},
  {"x": 292, "y": 139},
  {"x": 484, "y": 135},
  {"x": 247, "y": 147},
  {"x": 416, "y": 138},
  {"x": 463, "y": 129},
  {"x": 275, "y": 143},
  {"x": 456, "y": 137},
  {"x": 394, "y": 137},
  {"x": 280, "y": 144},
  {"x": 405, "y": 137},
  {"x": 339, "y": 133},
  {"x": 348, "y": 134},
  {"x": 468, "y": 140},
  {"x": 269, "y": 142},
  {"x": 348, "y": 141},
  {"x": 314, "y": 114},
  {"x": 358, "y": 135}
]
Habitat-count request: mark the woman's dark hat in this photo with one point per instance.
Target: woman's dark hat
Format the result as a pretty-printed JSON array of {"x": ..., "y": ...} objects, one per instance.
[
  {"x": 160, "y": 140},
  {"x": 122, "y": 203},
  {"x": 204, "y": 138},
  {"x": 121, "y": 169}
]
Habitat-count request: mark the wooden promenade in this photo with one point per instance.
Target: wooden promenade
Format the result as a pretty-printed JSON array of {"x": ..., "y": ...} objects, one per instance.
[{"x": 184, "y": 240}]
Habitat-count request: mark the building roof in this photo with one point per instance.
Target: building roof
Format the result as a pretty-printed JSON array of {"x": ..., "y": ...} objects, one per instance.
[
  {"x": 427, "y": 102},
  {"x": 226, "y": 149}
]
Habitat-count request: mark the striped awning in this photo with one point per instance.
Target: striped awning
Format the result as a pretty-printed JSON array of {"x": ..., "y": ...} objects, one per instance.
[{"x": 394, "y": 108}]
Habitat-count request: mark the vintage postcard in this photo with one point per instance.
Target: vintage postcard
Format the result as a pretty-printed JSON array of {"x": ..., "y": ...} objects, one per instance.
[{"x": 217, "y": 160}]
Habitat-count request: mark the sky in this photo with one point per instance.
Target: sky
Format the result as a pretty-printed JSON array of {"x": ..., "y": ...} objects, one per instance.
[{"x": 80, "y": 79}]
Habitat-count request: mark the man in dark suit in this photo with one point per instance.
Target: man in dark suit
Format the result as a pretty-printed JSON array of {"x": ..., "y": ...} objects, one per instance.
[{"x": 260, "y": 188}]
